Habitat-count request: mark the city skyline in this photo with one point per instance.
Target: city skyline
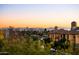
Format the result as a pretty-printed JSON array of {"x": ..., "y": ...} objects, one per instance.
[{"x": 39, "y": 15}]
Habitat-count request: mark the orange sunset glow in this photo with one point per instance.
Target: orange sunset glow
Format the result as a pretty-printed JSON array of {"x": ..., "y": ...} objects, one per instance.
[{"x": 38, "y": 15}]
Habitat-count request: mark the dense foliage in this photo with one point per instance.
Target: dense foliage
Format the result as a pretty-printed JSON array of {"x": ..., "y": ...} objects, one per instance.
[
  {"x": 29, "y": 46},
  {"x": 33, "y": 45}
]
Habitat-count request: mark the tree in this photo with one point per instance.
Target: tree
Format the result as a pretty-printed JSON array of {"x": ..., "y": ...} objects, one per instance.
[{"x": 1, "y": 44}]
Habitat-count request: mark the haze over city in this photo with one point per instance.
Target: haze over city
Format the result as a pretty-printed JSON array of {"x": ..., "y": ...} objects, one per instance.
[{"x": 38, "y": 15}]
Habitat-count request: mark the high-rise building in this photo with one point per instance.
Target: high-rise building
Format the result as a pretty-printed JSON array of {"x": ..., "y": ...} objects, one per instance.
[{"x": 73, "y": 25}]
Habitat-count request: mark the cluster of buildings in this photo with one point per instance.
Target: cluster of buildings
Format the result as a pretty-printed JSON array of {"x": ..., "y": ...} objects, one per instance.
[
  {"x": 11, "y": 32},
  {"x": 54, "y": 34},
  {"x": 72, "y": 34}
]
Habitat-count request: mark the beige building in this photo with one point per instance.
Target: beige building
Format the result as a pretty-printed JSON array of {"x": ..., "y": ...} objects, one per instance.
[
  {"x": 69, "y": 35},
  {"x": 72, "y": 35}
]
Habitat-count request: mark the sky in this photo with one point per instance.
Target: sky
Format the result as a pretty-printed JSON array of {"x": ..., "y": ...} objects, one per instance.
[{"x": 38, "y": 15}]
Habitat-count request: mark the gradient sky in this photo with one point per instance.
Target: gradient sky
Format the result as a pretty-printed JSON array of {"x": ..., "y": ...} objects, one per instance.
[{"x": 38, "y": 15}]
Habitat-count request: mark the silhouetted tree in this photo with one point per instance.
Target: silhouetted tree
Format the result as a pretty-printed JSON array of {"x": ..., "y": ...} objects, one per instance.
[{"x": 1, "y": 44}]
